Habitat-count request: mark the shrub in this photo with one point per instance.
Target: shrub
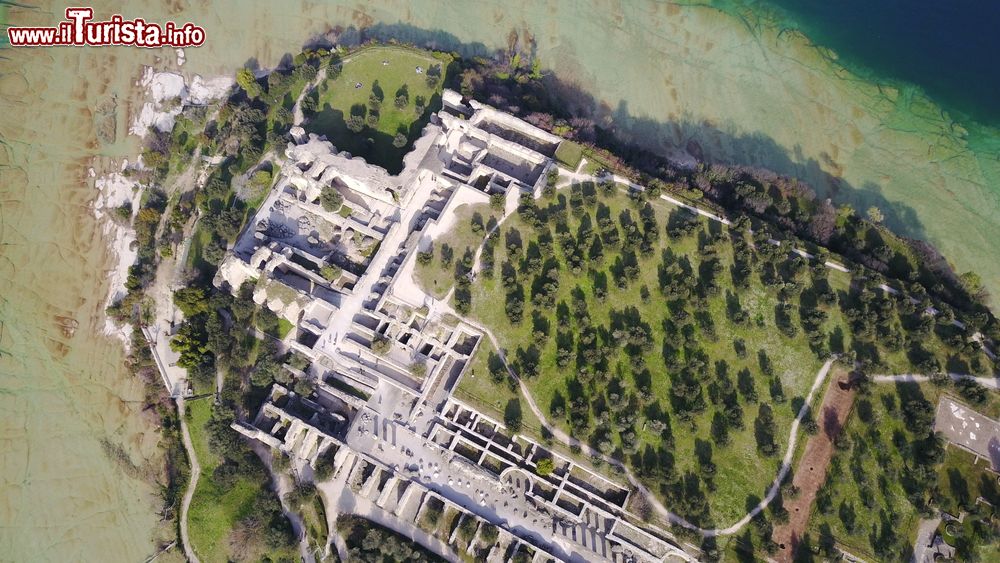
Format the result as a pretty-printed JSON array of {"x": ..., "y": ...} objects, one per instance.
[
  {"x": 248, "y": 82},
  {"x": 425, "y": 258},
  {"x": 124, "y": 211},
  {"x": 380, "y": 344},
  {"x": 544, "y": 467},
  {"x": 330, "y": 272},
  {"x": 330, "y": 198},
  {"x": 356, "y": 123}
]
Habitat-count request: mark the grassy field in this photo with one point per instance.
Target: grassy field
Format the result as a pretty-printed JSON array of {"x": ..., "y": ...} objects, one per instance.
[
  {"x": 869, "y": 503},
  {"x": 740, "y": 472},
  {"x": 214, "y": 512},
  {"x": 964, "y": 477},
  {"x": 436, "y": 277},
  {"x": 569, "y": 154},
  {"x": 479, "y": 389},
  {"x": 339, "y": 99},
  {"x": 195, "y": 258},
  {"x": 736, "y": 472}
]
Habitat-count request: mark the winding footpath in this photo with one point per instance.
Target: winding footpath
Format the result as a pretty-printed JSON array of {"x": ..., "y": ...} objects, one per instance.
[
  {"x": 193, "y": 482},
  {"x": 578, "y": 176},
  {"x": 671, "y": 517},
  {"x": 572, "y": 442}
]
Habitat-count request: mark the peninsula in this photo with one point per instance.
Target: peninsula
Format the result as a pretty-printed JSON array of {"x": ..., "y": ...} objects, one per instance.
[{"x": 413, "y": 309}]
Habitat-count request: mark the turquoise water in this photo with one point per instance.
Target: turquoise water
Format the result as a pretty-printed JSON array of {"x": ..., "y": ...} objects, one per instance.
[{"x": 949, "y": 49}]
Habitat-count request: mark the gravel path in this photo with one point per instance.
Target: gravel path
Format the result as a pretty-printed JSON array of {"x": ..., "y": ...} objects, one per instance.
[
  {"x": 189, "y": 493},
  {"x": 571, "y": 442},
  {"x": 987, "y": 382}
]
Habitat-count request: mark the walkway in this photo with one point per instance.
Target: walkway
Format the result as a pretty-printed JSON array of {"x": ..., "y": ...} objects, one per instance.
[
  {"x": 192, "y": 483},
  {"x": 922, "y": 552},
  {"x": 572, "y": 442},
  {"x": 577, "y": 176},
  {"x": 987, "y": 382}
]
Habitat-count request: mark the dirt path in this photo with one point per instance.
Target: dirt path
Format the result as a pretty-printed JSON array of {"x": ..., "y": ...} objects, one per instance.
[
  {"x": 282, "y": 484},
  {"x": 189, "y": 493},
  {"x": 570, "y": 441},
  {"x": 811, "y": 471},
  {"x": 987, "y": 382}
]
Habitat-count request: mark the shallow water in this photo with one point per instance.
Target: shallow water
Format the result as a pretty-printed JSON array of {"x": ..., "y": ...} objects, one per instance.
[
  {"x": 692, "y": 78},
  {"x": 947, "y": 48}
]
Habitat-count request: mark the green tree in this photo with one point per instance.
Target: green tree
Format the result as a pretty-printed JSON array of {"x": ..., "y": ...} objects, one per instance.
[
  {"x": 356, "y": 123},
  {"x": 380, "y": 344},
  {"x": 544, "y": 466},
  {"x": 247, "y": 81},
  {"x": 191, "y": 301},
  {"x": 330, "y": 272},
  {"x": 330, "y": 198},
  {"x": 512, "y": 415}
]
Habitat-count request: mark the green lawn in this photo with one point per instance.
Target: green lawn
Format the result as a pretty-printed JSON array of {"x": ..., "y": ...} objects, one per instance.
[
  {"x": 569, "y": 154},
  {"x": 284, "y": 327},
  {"x": 741, "y": 471},
  {"x": 200, "y": 411},
  {"x": 491, "y": 398},
  {"x": 962, "y": 478},
  {"x": 738, "y": 472},
  {"x": 200, "y": 239},
  {"x": 339, "y": 98},
  {"x": 214, "y": 512},
  {"x": 436, "y": 277},
  {"x": 478, "y": 388}
]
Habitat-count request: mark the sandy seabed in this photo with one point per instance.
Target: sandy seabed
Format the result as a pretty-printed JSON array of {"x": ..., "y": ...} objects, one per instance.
[{"x": 676, "y": 78}]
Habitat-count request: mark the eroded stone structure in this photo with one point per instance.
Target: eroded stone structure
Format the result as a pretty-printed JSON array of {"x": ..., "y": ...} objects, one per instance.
[{"x": 384, "y": 357}]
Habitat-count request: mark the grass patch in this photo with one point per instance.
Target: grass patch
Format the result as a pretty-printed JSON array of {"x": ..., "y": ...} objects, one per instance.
[
  {"x": 438, "y": 276},
  {"x": 212, "y": 513},
  {"x": 215, "y": 510},
  {"x": 339, "y": 99},
  {"x": 200, "y": 411},
  {"x": 284, "y": 327},
  {"x": 595, "y": 163},
  {"x": 195, "y": 256},
  {"x": 491, "y": 397},
  {"x": 962, "y": 478},
  {"x": 569, "y": 154}
]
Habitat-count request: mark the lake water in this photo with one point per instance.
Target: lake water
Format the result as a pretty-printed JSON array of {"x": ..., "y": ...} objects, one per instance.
[
  {"x": 948, "y": 48},
  {"x": 724, "y": 83}
]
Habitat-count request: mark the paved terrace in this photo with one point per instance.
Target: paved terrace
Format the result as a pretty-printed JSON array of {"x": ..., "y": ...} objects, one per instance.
[{"x": 973, "y": 431}]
